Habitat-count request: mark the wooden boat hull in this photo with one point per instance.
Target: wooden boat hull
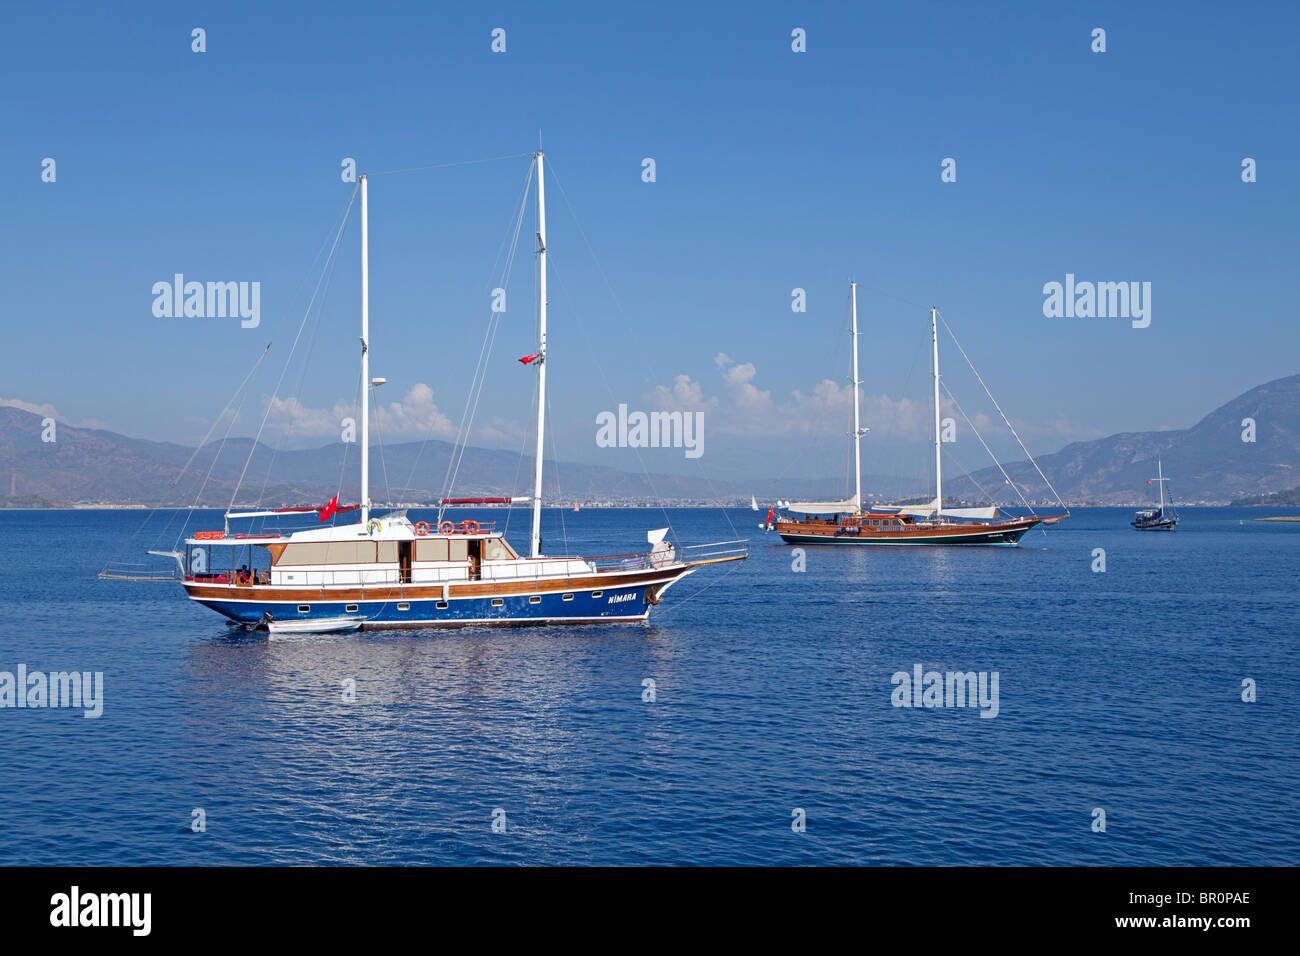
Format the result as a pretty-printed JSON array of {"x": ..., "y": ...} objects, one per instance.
[
  {"x": 597, "y": 598},
  {"x": 1006, "y": 534}
]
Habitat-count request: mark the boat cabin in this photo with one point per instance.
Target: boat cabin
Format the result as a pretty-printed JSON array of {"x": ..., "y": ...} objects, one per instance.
[{"x": 391, "y": 552}]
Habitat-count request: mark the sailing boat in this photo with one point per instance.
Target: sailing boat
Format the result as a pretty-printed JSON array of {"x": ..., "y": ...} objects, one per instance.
[
  {"x": 846, "y": 522},
  {"x": 385, "y": 571},
  {"x": 1158, "y": 519}
]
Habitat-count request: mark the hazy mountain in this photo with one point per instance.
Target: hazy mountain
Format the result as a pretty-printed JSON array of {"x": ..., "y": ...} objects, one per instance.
[
  {"x": 1208, "y": 462},
  {"x": 93, "y": 466}
]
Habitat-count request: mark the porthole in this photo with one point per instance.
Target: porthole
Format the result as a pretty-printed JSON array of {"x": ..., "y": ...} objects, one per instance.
[
  {"x": 304, "y": 608},
  {"x": 535, "y": 599},
  {"x": 497, "y": 602},
  {"x": 597, "y": 594},
  {"x": 566, "y": 597},
  {"x": 351, "y": 608},
  {"x": 442, "y": 605},
  {"x": 403, "y": 607}
]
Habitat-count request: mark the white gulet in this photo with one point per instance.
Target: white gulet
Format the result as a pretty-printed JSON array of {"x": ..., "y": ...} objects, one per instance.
[{"x": 387, "y": 571}]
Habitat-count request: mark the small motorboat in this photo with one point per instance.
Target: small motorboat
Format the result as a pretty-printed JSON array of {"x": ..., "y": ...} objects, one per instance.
[{"x": 310, "y": 625}]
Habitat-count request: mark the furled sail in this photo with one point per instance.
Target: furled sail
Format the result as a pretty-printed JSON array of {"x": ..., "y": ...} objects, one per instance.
[
  {"x": 847, "y": 506},
  {"x": 928, "y": 510}
]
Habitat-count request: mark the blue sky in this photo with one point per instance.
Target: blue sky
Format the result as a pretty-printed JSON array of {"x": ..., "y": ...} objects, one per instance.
[{"x": 775, "y": 170}]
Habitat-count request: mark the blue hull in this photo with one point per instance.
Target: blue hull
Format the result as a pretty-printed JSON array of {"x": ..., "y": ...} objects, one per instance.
[{"x": 619, "y": 603}]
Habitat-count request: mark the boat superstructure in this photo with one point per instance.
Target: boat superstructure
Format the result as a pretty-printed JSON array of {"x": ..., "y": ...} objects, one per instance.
[{"x": 846, "y": 522}]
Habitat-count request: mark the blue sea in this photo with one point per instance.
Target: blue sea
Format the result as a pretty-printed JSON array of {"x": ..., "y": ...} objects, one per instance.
[{"x": 1119, "y": 690}]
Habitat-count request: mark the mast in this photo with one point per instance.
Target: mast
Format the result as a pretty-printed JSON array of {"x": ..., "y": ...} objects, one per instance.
[
  {"x": 857, "y": 421},
  {"x": 938, "y": 461},
  {"x": 365, "y": 357},
  {"x": 1160, "y": 480},
  {"x": 541, "y": 355}
]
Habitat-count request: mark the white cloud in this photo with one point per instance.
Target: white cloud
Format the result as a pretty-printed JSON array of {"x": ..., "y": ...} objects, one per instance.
[
  {"x": 47, "y": 410},
  {"x": 415, "y": 416}
]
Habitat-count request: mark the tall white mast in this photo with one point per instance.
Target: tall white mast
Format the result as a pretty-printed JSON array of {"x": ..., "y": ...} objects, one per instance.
[
  {"x": 541, "y": 354},
  {"x": 857, "y": 421},
  {"x": 1160, "y": 479},
  {"x": 938, "y": 457},
  {"x": 365, "y": 357}
]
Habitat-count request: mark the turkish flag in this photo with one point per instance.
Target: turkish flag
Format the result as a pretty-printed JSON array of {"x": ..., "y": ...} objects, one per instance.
[
  {"x": 529, "y": 359},
  {"x": 331, "y": 508}
]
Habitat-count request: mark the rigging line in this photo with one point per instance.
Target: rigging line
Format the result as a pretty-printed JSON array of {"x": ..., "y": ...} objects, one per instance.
[
  {"x": 330, "y": 265},
  {"x": 194, "y": 454},
  {"x": 199, "y": 494},
  {"x": 1000, "y": 412},
  {"x": 338, "y": 489},
  {"x": 476, "y": 382},
  {"x": 479, "y": 379},
  {"x": 627, "y": 324},
  {"x": 463, "y": 162},
  {"x": 573, "y": 311},
  {"x": 288, "y": 359},
  {"x": 1014, "y": 486},
  {"x": 718, "y": 580},
  {"x": 470, "y": 325},
  {"x": 949, "y": 456},
  {"x": 555, "y": 470},
  {"x": 379, "y": 431}
]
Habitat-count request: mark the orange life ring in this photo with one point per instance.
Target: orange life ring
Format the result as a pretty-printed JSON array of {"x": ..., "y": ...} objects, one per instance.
[
  {"x": 422, "y": 528},
  {"x": 446, "y": 528},
  {"x": 209, "y": 535},
  {"x": 465, "y": 526}
]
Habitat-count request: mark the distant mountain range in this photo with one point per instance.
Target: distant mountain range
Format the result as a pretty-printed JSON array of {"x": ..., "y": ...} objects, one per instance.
[
  {"x": 92, "y": 466},
  {"x": 1207, "y": 463}
]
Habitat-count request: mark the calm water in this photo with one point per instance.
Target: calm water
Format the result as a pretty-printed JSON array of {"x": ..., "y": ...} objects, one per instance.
[{"x": 1119, "y": 690}]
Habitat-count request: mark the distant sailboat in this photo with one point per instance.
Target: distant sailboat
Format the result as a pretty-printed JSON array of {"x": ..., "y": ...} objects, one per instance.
[
  {"x": 1158, "y": 519},
  {"x": 846, "y": 522}
]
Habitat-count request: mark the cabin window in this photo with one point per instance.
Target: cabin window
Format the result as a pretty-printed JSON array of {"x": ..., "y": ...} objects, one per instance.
[
  {"x": 403, "y": 607},
  {"x": 497, "y": 602},
  {"x": 597, "y": 594},
  {"x": 304, "y": 608},
  {"x": 431, "y": 550},
  {"x": 351, "y": 609},
  {"x": 459, "y": 549},
  {"x": 496, "y": 549},
  {"x": 535, "y": 599},
  {"x": 442, "y": 605},
  {"x": 388, "y": 551},
  {"x": 331, "y": 552},
  {"x": 566, "y": 597}
]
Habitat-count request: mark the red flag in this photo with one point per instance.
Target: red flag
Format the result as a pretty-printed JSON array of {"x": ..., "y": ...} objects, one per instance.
[
  {"x": 330, "y": 509},
  {"x": 1148, "y": 481},
  {"x": 529, "y": 359}
]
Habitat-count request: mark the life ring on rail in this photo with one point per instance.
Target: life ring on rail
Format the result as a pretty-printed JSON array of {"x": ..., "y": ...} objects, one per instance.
[
  {"x": 469, "y": 526},
  {"x": 422, "y": 528},
  {"x": 446, "y": 527}
]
